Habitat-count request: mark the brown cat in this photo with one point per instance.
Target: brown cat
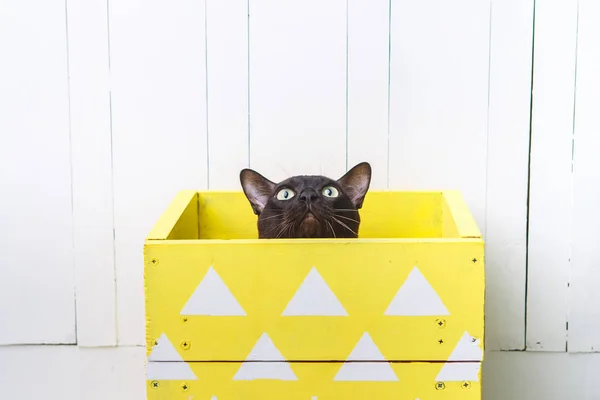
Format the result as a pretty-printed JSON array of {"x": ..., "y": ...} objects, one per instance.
[{"x": 308, "y": 206}]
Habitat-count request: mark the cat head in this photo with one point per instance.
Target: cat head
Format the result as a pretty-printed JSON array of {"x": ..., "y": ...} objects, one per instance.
[{"x": 308, "y": 206}]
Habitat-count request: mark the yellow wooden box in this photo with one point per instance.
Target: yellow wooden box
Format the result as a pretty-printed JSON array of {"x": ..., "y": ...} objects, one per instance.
[{"x": 394, "y": 314}]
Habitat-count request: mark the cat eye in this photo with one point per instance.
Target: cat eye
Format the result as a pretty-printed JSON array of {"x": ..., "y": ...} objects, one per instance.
[
  {"x": 285, "y": 194},
  {"x": 330, "y": 191}
]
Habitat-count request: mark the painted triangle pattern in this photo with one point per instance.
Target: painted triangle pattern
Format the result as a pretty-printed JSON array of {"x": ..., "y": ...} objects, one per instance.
[
  {"x": 416, "y": 297},
  {"x": 459, "y": 372},
  {"x": 467, "y": 348},
  {"x": 366, "y": 349},
  {"x": 314, "y": 297},
  {"x": 212, "y": 297},
  {"x": 264, "y": 349},
  {"x": 169, "y": 371},
  {"x": 165, "y": 363},
  {"x": 164, "y": 350}
]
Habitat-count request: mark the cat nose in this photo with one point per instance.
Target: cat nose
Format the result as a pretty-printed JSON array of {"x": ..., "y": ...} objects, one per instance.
[{"x": 308, "y": 195}]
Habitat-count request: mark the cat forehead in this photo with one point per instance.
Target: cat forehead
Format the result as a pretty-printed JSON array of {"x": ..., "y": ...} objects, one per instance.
[{"x": 301, "y": 181}]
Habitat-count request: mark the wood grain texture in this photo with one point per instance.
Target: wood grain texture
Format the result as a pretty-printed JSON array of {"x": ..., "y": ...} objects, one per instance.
[
  {"x": 227, "y": 91},
  {"x": 368, "y": 67},
  {"x": 36, "y": 228},
  {"x": 550, "y": 212},
  {"x": 507, "y": 172},
  {"x": 584, "y": 314},
  {"x": 91, "y": 145},
  {"x": 158, "y": 71},
  {"x": 297, "y": 87}
]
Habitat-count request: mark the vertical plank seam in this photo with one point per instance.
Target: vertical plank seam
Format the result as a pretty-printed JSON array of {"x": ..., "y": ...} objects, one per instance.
[
  {"x": 248, "y": 76},
  {"x": 389, "y": 82},
  {"x": 206, "y": 93},
  {"x": 347, "y": 81},
  {"x": 487, "y": 128},
  {"x": 572, "y": 182},
  {"x": 112, "y": 174},
  {"x": 73, "y": 263},
  {"x": 528, "y": 201}
]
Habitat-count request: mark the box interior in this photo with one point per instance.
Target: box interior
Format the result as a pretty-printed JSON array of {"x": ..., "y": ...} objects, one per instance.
[{"x": 385, "y": 215}]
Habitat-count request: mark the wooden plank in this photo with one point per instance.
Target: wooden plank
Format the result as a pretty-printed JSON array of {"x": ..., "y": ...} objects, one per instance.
[
  {"x": 584, "y": 315},
  {"x": 438, "y": 115},
  {"x": 460, "y": 215},
  {"x": 36, "y": 234},
  {"x": 71, "y": 372},
  {"x": 507, "y": 172},
  {"x": 164, "y": 228},
  {"x": 91, "y": 148},
  {"x": 301, "y": 381},
  {"x": 368, "y": 68},
  {"x": 227, "y": 85},
  {"x": 297, "y": 87},
  {"x": 158, "y": 70},
  {"x": 550, "y": 175}
]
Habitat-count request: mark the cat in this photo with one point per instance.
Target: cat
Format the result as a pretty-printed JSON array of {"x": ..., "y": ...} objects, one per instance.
[{"x": 308, "y": 206}]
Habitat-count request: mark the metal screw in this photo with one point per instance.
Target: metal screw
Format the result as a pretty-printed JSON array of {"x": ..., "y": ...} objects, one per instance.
[
  {"x": 184, "y": 319},
  {"x": 185, "y": 344},
  {"x": 473, "y": 340},
  {"x": 440, "y": 386},
  {"x": 154, "y": 261},
  {"x": 474, "y": 260},
  {"x": 154, "y": 384},
  {"x": 466, "y": 385},
  {"x": 441, "y": 341},
  {"x": 441, "y": 323},
  {"x": 184, "y": 387}
]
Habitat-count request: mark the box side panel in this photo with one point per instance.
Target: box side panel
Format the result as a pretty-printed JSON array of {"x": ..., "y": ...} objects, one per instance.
[
  {"x": 228, "y": 215},
  {"x": 449, "y": 228},
  {"x": 302, "y": 381},
  {"x": 180, "y": 219},
  {"x": 464, "y": 223},
  {"x": 316, "y": 301},
  {"x": 401, "y": 215}
]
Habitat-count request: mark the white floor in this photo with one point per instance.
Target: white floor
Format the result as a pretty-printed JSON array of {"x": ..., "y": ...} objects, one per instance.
[{"x": 71, "y": 373}]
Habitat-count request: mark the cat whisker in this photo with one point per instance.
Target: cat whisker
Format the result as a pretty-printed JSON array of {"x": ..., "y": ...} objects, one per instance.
[
  {"x": 285, "y": 225},
  {"x": 272, "y": 216},
  {"x": 343, "y": 224},
  {"x": 331, "y": 227},
  {"x": 347, "y": 218}
]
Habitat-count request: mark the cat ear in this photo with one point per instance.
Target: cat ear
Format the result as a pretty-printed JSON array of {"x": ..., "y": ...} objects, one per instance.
[
  {"x": 257, "y": 188},
  {"x": 355, "y": 183}
]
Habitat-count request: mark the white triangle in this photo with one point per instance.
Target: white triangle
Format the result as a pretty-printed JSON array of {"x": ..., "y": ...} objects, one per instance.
[
  {"x": 212, "y": 297},
  {"x": 164, "y": 351},
  {"x": 314, "y": 297},
  {"x": 459, "y": 372},
  {"x": 467, "y": 349},
  {"x": 169, "y": 371},
  {"x": 367, "y": 350},
  {"x": 366, "y": 372},
  {"x": 416, "y": 297},
  {"x": 265, "y": 350}
]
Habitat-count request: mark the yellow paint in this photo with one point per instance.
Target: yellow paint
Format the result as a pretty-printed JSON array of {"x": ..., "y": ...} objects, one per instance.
[
  {"x": 415, "y": 381},
  {"x": 227, "y": 215},
  {"x": 433, "y": 231}
]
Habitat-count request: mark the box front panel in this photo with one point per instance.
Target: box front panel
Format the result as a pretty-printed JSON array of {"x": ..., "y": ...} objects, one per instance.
[
  {"x": 306, "y": 381},
  {"x": 263, "y": 300}
]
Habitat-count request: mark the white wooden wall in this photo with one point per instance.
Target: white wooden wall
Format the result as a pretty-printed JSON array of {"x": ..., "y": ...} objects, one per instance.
[{"x": 108, "y": 108}]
